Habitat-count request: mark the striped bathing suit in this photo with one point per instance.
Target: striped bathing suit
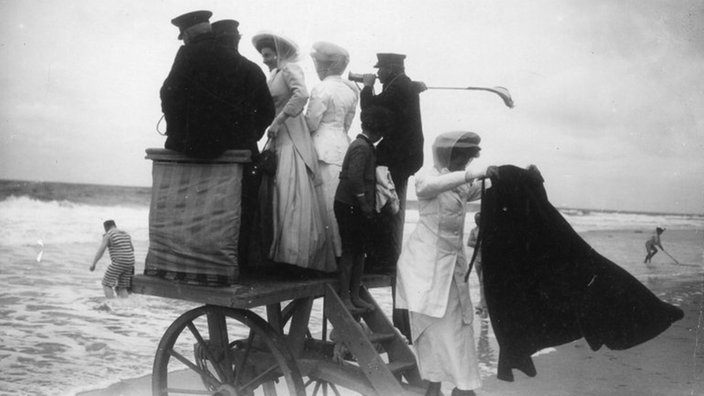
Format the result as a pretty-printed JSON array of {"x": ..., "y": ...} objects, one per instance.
[{"x": 120, "y": 271}]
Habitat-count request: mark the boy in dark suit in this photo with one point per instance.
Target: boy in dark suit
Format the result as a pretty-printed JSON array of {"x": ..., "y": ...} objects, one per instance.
[{"x": 355, "y": 202}]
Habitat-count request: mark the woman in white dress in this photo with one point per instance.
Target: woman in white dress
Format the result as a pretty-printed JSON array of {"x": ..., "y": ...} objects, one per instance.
[
  {"x": 432, "y": 266},
  {"x": 301, "y": 230},
  {"x": 330, "y": 112}
]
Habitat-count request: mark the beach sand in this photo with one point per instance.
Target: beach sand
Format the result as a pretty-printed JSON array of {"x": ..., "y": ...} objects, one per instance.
[{"x": 670, "y": 364}]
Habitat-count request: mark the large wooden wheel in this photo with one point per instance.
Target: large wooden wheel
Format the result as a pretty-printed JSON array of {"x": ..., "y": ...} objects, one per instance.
[{"x": 233, "y": 351}]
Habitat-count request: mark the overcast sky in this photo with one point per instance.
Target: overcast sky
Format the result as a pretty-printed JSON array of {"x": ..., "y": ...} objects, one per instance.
[{"x": 609, "y": 94}]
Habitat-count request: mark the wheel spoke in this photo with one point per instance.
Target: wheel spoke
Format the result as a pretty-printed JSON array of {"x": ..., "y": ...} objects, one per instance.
[
  {"x": 260, "y": 361},
  {"x": 259, "y": 377},
  {"x": 208, "y": 352},
  {"x": 317, "y": 386},
  {"x": 241, "y": 364},
  {"x": 334, "y": 389},
  {"x": 206, "y": 375}
]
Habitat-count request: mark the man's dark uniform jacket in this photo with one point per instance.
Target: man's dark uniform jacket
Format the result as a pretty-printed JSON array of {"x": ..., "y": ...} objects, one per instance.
[
  {"x": 214, "y": 99},
  {"x": 402, "y": 147},
  {"x": 545, "y": 286}
]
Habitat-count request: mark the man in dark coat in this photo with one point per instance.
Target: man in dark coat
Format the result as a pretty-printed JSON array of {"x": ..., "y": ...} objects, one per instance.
[
  {"x": 401, "y": 151},
  {"x": 255, "y": 110},
  {"x": 250, "y": 94},
  {"x": 212, "y": 99},
  {"x": 545, "y": 286}
]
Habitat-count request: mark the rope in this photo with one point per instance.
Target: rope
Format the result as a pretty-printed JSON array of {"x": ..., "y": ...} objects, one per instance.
[{"x": 480, "y": 234}]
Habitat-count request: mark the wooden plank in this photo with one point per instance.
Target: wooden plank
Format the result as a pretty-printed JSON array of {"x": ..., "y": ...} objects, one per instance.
[
  {"x": 357, "y": 342},
  {"x": 273, "y": 316},
  {"x": 248, "y": 293},
  {"x": 396, "y": 348},
  {"x": 218, "y": 339},
  {"x": 299, "y": 325},
  {"x": 228, "y": 157}
]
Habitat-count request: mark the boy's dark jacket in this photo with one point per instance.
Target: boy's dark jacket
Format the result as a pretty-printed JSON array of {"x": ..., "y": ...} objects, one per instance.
[
  {"x": 358, "y": 174},
  {"x": 545, "y": 286}
]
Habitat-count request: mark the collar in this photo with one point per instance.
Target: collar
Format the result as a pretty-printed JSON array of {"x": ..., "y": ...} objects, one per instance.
[
  {"x": 366, "y": 139},
  {"x": 394, "y": 79},
  {"x": 333, "y": 77}
]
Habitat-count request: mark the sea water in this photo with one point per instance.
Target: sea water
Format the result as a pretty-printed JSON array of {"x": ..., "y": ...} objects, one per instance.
[{"x": 59, "y": 335}]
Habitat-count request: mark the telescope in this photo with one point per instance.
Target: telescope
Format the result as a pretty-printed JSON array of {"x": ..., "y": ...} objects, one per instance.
[
  {"x": 356, "y": 77},
  {"x": 501, "y": 91}
]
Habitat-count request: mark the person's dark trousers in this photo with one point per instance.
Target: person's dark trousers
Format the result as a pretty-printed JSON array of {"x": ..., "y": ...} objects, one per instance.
[
  {"x": 384, "y": 252},
  {"x": 250, "y": 192},
  {"x": 400, "y": 317}
]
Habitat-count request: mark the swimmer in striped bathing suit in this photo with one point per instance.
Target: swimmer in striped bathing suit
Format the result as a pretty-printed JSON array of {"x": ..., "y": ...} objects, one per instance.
[{"x": 118, "y": 276}]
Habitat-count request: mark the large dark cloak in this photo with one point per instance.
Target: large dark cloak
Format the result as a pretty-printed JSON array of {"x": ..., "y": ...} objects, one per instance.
[{"x": 545, "y": 286}]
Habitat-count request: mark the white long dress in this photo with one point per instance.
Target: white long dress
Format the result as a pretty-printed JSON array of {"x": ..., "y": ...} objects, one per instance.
[
  {"x": 302, "y": 233},
  {"x": 331, "y": 108},
  {"x": 431, "y": 284}
]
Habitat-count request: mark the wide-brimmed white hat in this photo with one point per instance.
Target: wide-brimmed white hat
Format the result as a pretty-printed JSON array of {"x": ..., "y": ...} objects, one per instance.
[{"x": 285, "y": 48}]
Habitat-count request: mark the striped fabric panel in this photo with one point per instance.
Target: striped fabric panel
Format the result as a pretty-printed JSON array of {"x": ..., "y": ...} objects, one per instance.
[
  {"x": 194, "y": 222},
  {"x": 120, "y": 247}
]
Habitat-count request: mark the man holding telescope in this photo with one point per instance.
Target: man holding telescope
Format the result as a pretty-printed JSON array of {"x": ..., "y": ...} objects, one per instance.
[{"x": 401, "y": 151}]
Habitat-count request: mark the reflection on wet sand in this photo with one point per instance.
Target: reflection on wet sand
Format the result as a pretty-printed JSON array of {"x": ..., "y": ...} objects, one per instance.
[{"x": 485, "y": 351}]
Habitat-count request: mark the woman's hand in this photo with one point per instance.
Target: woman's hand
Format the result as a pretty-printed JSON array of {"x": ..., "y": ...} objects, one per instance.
[
  {"x": 491, "y": 172},
  {"x": 275, "y": 126},
  {"x": 273, "y": 130}
]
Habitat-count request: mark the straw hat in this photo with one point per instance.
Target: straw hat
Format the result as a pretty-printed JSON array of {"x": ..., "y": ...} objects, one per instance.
[{"x": 285, "y": 48}]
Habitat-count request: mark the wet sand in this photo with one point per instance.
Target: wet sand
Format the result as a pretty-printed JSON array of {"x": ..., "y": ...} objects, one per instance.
[{"x": 670, "y": 364}]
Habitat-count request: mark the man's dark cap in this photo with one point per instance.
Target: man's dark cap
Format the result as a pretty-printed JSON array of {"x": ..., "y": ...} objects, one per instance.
[
  {"x": 388, "y": 59},
  {"x": 189, "y": 19},
  {"x": 226, "y": 27}
]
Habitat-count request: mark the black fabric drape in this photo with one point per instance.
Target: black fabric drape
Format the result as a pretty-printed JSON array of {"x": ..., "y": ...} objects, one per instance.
[{"x": 545, "y": 286}]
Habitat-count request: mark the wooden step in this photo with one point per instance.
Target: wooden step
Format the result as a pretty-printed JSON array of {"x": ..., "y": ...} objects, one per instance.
[
  {"x": 376, "y": 338},
  {"x": 348, "y": 376},
  {"x": 399, "y": 367},
  {"x": 345, "y": 375}
]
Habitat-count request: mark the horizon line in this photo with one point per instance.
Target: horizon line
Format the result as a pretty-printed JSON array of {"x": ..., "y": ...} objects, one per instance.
[{"x": 407, "y": 199}]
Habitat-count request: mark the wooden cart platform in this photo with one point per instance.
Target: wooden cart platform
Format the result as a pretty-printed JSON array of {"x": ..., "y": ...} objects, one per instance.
[
  {"x": 237, "y": 352},
  {"x": 247, "y": 293}
]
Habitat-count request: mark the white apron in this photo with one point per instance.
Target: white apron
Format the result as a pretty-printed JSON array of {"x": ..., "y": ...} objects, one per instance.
[{"x": 431, "y": 285}]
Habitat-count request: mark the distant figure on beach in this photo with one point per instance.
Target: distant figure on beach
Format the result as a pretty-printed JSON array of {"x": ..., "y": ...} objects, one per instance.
[
  {"x": 431, "y": 270},
  {"x": 650, "y": 245},
  {"x": 331, "y": 109},
  {"x": 118, "y": 276},
  {"x": 355, "y": 201},
  {"x": 473, "y": 242}
]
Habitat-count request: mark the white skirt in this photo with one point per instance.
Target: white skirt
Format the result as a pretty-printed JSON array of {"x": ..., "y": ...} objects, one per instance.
[{"x": 445, "y": 346}]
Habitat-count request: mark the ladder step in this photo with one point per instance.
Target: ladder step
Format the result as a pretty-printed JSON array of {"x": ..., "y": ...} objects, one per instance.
[
  {"x": 400, "y": 366},
  {"x": 381, "y": 337}
]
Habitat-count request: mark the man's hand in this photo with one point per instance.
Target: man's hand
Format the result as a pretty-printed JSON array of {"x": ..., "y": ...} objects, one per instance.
[
  {"x": 419, "y": 86},
  {"x": 368, "y": 79},
  {"x": 92, "y": 268}
]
